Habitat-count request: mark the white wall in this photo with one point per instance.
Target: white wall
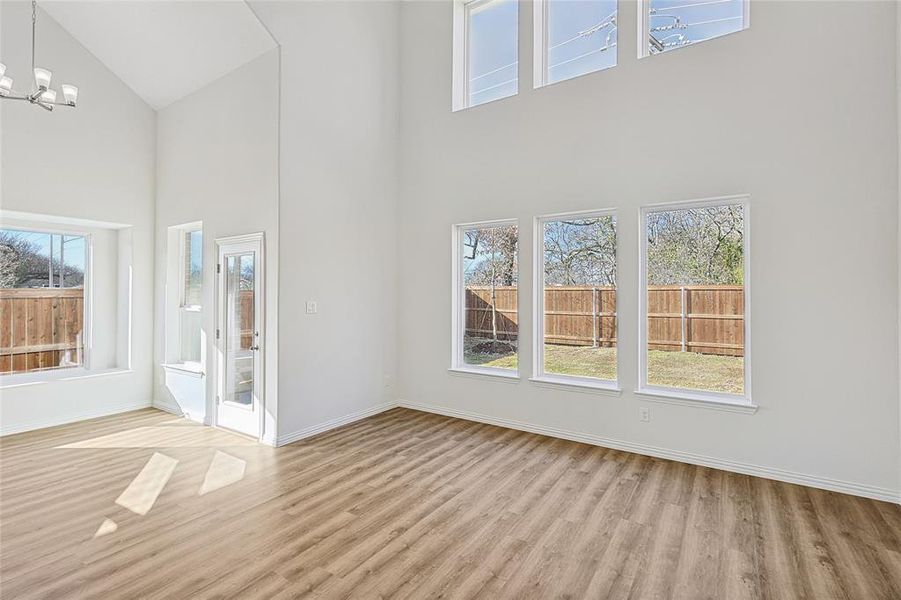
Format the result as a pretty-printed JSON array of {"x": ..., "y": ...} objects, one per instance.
[
  {"x": 898, "y": 124},
  {"x": 95, "y": 163},
  {"x": 217, "y": 162},
  {"x": 785, "y": 112},
  {"x": 337, "y": 205}
]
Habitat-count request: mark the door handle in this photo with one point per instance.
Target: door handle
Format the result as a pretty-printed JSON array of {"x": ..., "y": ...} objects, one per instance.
[{"x": 257, "y": 347}]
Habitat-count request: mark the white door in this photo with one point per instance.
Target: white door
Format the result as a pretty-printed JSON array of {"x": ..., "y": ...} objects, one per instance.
[{"x": 239, "y": 394}]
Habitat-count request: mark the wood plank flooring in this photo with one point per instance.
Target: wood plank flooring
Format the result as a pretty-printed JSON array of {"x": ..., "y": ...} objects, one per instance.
[{"x": 413, "y": 505}]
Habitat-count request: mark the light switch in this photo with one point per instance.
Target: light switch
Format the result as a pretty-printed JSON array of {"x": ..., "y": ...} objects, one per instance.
[{"x": 312, "y": 307}]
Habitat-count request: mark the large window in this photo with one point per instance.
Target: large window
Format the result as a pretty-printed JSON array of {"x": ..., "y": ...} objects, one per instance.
[
  {"x": 572, "y": 38},
  {"x": 486, "y": 40},
  {"x": 42, "y": 300},
  {"x": 576, "y": 299},
  {"x": 670, "y": 24},
  {"x": 694, "y": 300},
  {"x": 486, "y": 324},
  {"x": 191, "y": 277}
]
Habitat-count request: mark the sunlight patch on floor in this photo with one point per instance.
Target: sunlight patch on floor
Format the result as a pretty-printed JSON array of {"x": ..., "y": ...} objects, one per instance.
[
  {"x": 224, "y": 470},
  {"x": 194, "y": 436},
  {"x": 108, "y": 526},
  {"x": 141, "y": 494}
]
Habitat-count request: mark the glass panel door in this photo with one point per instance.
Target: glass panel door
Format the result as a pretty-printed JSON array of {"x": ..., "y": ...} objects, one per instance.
[{"x": 240, "y": 329}]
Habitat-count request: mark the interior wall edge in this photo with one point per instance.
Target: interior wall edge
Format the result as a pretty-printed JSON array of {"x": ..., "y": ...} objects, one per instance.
[{"x": 347, "y": 419}]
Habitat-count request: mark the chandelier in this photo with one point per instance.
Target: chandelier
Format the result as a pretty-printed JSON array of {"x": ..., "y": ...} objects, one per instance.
[{"x": 42, "y": 95}]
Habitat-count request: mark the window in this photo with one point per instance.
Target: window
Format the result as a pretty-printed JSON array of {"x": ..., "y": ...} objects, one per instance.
[
  {"x": 576, "y": 299},
  {"x": 486, "y": 40},
  {"x": 670, "y": 24},
  {"x": 191, "y": 278},
  {"x": 694, "y": 301},
  {"x": 42, "y": 300},
  {"x": 192, "y": 275},
  {"x": 486, "y": 324},
  {"x": 572, "y": 38}
]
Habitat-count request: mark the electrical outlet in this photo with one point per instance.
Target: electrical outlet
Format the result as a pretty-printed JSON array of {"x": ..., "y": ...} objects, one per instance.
[
  {"x": 388, "y": 381},
  {"x": 644, "y": 414},
  {"x": 312, "y": 307}
]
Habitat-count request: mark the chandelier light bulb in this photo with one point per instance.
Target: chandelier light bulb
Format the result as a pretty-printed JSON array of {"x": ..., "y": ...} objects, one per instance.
[
  {"x": 2, "y": 69},
  {"x": 70, "y": 93},
  {"x": 6, "y": 85},
  {"x": 49, "y": 96},
  {"x": 42, "y": 78}
]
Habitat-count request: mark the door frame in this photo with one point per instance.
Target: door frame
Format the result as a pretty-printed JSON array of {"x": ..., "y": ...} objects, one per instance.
[{"x": 260, "y": 308}]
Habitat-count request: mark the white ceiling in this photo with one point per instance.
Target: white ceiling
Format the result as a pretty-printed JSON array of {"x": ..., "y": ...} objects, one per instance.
[{"x": 164, "y": 49}]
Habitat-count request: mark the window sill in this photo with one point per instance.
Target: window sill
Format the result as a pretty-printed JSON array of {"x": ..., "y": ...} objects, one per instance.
[
  {"x": 499, "y": 374},
  {"x": 697, "y": 400},
  {"x": 578, "y": 384},
  {"x": 73, "y": 374},
  {"x": 190, "y": 369}
]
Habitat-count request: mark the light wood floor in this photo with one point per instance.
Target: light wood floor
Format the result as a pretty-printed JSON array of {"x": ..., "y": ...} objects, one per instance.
[{"x": 412, "y": 505}]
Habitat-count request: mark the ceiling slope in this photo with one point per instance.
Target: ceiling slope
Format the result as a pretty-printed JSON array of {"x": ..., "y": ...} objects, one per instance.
[{"x": 164, "y": 49}]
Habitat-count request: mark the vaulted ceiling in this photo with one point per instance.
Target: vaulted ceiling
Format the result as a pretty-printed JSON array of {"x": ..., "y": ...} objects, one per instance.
[{"x": 165, "y": 49}]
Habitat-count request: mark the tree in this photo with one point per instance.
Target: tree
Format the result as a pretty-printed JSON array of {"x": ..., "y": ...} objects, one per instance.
[
  {"x": 490, "y": 260},
  {"x": 23, "y": 264},
  {"x": 698, "y": 246},
  {"x": 580, "y": 251},
  {"x": 20, "y": 260}
]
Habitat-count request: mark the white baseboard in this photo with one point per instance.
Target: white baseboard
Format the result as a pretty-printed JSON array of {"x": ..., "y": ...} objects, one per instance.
[
  {"x": 175, "y": 409},
  {"x": 168, "y": 407},
  {"x": 110, "y": 409},
  {"x": 333, "y": 424},
  {"x": 825, "y": 483}
]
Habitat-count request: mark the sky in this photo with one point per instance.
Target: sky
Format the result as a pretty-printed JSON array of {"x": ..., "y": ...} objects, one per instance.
[
  {"x": 494, "y": 37},
  {"x": 704, "y": 18},
  {"x": 196, "y": 250},
  {"x": 75, "y": 246}
]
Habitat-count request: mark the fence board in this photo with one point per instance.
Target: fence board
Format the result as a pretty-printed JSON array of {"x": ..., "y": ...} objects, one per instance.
[
  {"x": 705, "y": 319},
  {"x": 39, "y": 327}
]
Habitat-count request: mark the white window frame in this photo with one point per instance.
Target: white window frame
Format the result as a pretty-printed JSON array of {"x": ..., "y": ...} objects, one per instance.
[
  {"x": 183, "y": 307},
  {"x": 539, "y": 43},
  {"x": 686, "y": 394},
  {"x": 644, "y": 25},
  {"x": 460, "y": 92},
  {"x": 540, "y": 46},
  {"x": 176, "y": 305},
  {"x": 538, "y": 373},
  {"x": 87, "y": 307},
  {"x": 458, "y": 302}
]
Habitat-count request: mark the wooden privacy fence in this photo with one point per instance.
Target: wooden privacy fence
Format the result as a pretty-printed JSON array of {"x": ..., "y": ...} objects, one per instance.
[
  {"x": 40, "y": 328},
  {"x": 245, "y": 314},
  {"x": 708, "y": 319}
]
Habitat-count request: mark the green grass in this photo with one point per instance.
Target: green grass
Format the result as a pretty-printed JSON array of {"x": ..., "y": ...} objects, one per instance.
[
  {"x": 666, "y": 369},
  {"x": 697, "y": 371}
]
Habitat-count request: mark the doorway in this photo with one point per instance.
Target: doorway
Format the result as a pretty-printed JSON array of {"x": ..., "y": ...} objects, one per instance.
[{"x": 239, "y": 334}]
